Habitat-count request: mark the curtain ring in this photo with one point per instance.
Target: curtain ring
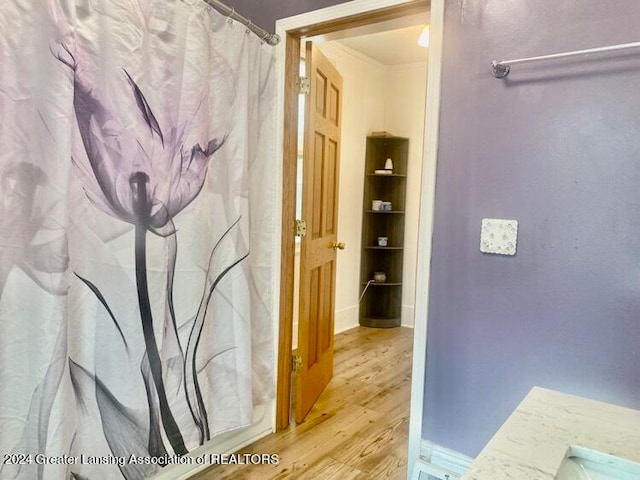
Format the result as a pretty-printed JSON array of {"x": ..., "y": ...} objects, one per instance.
[
  {"x": 264, "y": 38},
  {"x": 229, "y": 19},
  {"x": 248, "y": 30}
]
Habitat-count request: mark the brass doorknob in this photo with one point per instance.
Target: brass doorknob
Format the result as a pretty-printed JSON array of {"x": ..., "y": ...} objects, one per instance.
[{"x": 338, "y": 245}]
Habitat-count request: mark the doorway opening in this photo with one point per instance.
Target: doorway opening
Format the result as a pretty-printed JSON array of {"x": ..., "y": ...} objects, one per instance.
[{"x": 340, "y": 37}]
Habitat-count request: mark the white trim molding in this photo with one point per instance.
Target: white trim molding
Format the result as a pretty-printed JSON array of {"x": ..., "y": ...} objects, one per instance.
[
  {"x": 444, "y": 458},
  {"x": 425, "y": 233},
  {"x": 440, "y": 463}
]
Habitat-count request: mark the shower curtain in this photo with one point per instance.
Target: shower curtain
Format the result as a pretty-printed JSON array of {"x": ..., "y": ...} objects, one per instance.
[{"x": 136, "y": 243}]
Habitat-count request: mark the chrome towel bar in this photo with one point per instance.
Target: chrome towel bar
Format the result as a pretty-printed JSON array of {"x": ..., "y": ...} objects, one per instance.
[{"x": 500, "y": 69}]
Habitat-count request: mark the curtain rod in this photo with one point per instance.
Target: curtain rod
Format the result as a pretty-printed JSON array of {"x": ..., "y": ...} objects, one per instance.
[
  {"x": 501, "y": 68},
  {"x": 271, "y": 38}
]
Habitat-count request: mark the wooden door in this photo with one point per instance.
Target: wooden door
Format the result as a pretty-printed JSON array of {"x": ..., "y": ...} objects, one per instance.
[{"x": 319, "y": 246}]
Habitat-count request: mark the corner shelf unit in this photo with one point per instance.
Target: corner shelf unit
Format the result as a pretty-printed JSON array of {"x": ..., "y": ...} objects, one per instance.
[{"x": 381, "y": 305}]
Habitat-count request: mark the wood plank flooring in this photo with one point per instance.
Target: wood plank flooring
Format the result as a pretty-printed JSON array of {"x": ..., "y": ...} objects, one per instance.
[{"x": 359, "y": 427}]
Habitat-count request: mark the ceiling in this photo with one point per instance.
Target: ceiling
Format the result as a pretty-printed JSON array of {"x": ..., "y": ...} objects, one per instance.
[{"x": 393, "y": 47}]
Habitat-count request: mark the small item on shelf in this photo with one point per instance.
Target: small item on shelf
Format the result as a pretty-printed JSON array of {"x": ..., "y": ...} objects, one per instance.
[
  {"x": 376, "y": 205},
  {"x": 386, "y": 206},
  {"x": 388, "y": 165},
  {"x": 382, "y": 241},
  {"x": 379, "y": 277},
  {"x": 381, "y": 133},
  {"x": 383, "y": 172}
]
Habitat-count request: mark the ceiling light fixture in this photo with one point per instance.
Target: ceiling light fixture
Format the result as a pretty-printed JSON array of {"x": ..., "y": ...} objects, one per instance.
[{"x": 423, "y": 41}]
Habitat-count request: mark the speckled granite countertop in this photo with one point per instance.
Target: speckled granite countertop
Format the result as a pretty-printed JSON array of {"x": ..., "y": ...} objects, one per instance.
[{"x": 534, "y": 440}]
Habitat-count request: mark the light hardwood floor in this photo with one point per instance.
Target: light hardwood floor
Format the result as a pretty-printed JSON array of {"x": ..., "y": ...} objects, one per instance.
[{"x": 359, "y": 427}]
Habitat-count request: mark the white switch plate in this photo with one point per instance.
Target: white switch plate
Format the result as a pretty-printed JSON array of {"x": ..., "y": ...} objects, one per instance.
[{"x": 499, "y": 236}]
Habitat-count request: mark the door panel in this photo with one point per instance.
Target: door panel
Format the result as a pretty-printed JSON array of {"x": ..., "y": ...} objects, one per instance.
[
  {"x": 317, "y": 213},
  {"x": 334, "y": 106},
  {"x": 331, "y": 175},
  {"x": 319, "y": 209},
  {"x": 326, "y": 330}
]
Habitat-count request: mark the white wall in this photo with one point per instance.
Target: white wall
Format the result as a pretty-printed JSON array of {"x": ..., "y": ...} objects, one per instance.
[
  {"x": 376, "y": 97},
  {"x": 406, "y": 87}
]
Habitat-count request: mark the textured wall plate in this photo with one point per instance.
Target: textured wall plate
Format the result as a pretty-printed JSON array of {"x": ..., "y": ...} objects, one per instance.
[{"x": 499, "y": 236}]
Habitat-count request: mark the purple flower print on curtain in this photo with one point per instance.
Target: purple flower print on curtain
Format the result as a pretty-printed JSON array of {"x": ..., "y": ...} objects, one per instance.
[{"x": 145, "y": 177}]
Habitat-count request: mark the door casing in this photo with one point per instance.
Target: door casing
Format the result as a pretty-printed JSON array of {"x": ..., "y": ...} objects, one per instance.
[{"x": 292, "y": 30}]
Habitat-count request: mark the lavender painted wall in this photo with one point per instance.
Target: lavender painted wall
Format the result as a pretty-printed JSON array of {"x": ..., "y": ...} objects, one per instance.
[
  {"x": 265, "y": 12},
  {"x": 556, "y": 146}
]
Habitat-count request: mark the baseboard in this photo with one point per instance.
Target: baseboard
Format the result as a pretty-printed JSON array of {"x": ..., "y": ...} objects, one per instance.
[
  {"x": 224, "y": 443},
  {"x": 407, "y": 316},
  {"x": 449, "y": 461},
  {"x": 346, "y": 319}
]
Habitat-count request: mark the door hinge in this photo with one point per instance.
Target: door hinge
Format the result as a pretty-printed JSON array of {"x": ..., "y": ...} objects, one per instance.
[
  {"x": 301, "y": 228},
  {"x": 304, "y": 85},
  {"x": 296, "y": 363}
]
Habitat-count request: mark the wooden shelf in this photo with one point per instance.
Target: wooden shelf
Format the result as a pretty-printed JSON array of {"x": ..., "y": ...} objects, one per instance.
[
  {"x": 385, "y": 211},
  {"x": 392, "y": 175},
  {"x": 381, "y": 307}
]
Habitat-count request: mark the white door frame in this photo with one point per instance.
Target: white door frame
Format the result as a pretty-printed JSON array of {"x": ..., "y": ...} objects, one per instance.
[
  {"x": 425, "y": 232},
  {"x": 427, "y": 198}
]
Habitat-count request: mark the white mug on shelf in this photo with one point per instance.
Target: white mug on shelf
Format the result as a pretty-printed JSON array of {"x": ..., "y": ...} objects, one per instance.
[
  {"x": 376, "y": 205},
  {"x": 379, "y": 277}
]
